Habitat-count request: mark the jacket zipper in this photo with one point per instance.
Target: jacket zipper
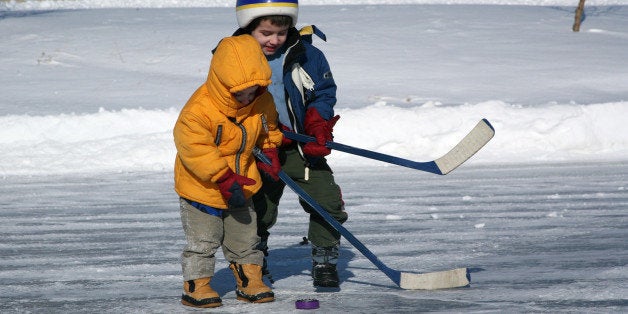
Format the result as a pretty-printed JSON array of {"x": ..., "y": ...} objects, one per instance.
[{"x": 241, "y": 149}]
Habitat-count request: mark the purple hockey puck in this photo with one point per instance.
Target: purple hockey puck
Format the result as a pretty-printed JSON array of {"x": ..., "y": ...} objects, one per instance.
[{"x": 306, "y": 304}]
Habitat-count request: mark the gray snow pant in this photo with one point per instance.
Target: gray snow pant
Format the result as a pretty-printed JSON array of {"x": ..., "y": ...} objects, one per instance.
[{"x": 235, "y": 231}]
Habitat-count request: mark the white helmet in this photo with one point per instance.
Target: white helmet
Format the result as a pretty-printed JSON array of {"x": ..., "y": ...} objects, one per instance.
[{"x": 248, "y": 10}]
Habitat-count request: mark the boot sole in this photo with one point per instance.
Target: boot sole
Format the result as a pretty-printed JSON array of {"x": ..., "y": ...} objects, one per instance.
[
  {"x": 263, "y": 300},
  {"x": 260, "y": 298},
  {"x": 326, "y": 284},
  {"x": 205, "y": 303}
]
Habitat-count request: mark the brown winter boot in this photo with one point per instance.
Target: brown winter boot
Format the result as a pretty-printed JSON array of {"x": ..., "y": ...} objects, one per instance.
[
  {"x": 198, "y": 293},
  {"x": 250, "y": 287}
]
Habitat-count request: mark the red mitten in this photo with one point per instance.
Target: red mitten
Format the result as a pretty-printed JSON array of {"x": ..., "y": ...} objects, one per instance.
[
  {"x": 286, "y": 141},
  {"x": 321, "y": 129},
  {"x": 230, "y": 186},
  {"x": 273, "y": 169}
]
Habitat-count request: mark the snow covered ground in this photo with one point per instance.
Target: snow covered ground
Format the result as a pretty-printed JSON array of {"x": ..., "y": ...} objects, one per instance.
[{"x": 89, "y": 221}]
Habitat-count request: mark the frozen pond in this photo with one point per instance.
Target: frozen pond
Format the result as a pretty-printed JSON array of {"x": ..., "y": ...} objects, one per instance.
[{"x": 535, "y": 237}]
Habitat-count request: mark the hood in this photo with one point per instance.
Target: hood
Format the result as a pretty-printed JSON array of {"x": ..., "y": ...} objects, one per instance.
[{"x": 238, "y": 63}]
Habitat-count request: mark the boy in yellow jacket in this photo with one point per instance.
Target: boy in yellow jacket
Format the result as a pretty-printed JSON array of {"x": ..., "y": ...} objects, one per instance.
[{"x": 215, "y": 173}]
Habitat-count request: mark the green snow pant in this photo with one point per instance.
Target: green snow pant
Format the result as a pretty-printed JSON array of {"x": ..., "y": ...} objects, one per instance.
[
  {"x": 235, "y": 232},
  {"x": 318, "y": 182}
]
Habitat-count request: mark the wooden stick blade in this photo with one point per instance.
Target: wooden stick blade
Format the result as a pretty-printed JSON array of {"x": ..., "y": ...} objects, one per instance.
[
  {"x": 470, "y": 144},
  {"x": 435, "y": 280}
]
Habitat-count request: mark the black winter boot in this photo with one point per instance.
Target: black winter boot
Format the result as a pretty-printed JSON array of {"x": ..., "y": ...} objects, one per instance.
[{"x": 324, "y": 271}]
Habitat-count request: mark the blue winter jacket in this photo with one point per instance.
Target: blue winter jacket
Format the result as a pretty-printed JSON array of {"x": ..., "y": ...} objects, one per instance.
[{"x": 307, "y": 78}]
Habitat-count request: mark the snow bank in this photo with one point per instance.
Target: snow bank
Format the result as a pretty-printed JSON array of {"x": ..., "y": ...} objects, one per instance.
[{"x": 141, "y": 140}]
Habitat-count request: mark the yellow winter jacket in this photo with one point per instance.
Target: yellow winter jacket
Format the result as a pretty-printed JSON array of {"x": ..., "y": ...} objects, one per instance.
[{"x": 215, "y": 132}]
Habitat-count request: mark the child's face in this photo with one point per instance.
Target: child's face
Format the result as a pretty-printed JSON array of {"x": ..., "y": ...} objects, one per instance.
[
  {"x": 270, "y": 37},
  {"x": 246, "y": 96}
]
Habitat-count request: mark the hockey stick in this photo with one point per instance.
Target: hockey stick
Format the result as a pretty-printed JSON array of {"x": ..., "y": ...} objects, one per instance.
[
  {"x": 467, "y": 147},
  {"x": 427, "y": 281}
]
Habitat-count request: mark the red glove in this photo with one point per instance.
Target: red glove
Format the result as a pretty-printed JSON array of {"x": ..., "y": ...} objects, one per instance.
[
  {"x": 286, "y": 141},
  {"x": 321, "y": 129},
  {"x": 230, "y": 186},
  {"x": 273, "y": 169}
]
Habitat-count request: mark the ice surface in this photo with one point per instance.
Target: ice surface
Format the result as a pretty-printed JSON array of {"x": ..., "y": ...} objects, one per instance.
[{"x": 89, "y": 221}]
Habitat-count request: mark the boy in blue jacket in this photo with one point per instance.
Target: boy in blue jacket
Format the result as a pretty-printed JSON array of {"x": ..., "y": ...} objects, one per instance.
[{"x": 305, "y": 94}]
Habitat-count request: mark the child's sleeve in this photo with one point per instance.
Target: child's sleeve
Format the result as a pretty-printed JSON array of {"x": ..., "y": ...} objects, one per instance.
[
  {"x": 272, "y": 136},
  {"x": 196, "y": 149}
]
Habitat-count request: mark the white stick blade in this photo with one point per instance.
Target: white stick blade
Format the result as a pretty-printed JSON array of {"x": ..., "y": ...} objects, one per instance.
[
  {"x": 436, "y": 280},
  {"x": 470, "y": 144}
]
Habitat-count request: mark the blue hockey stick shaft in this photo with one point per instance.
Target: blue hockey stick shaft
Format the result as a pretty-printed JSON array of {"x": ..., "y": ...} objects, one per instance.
[
  {"x": 469, "y": 145},
  {"x": 394, "y": 275},
  {"x": 429, "y": 166}
]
